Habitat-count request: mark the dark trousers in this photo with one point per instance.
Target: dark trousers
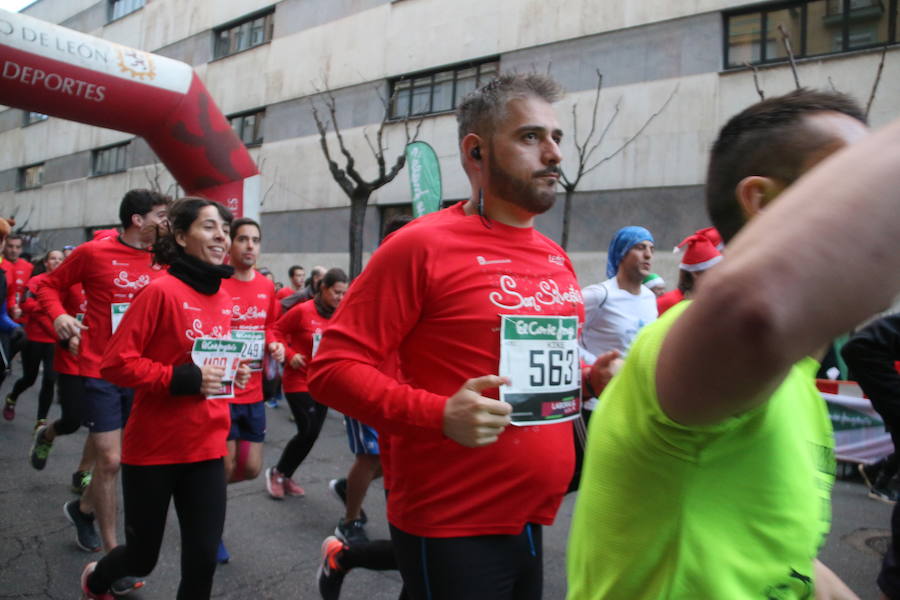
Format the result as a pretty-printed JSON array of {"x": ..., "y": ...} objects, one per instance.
[
  {"x": 199, "y": 493},
  {"x": 33, "y": 354},
  {"x": 309, "y": 416},
  {"x": 71, "y": 403},
  {"x": 484, "y": 567}
]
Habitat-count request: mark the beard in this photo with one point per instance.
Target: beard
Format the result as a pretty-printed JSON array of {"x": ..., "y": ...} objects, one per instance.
[{"x": 531, "y": 195}]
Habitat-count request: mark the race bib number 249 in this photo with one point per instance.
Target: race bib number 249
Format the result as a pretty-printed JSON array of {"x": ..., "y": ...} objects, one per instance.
[{"x": 539, "y": 355}]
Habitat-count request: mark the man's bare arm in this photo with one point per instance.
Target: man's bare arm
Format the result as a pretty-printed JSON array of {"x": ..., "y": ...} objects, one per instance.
[{"x": 810, "y": 267}]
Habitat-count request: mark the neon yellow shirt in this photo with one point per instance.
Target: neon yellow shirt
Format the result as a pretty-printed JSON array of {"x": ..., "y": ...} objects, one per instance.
[{"x": 730, "y": 511}]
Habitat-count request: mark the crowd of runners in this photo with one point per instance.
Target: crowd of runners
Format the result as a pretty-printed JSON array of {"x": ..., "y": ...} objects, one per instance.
[{"x": 476, "y": 375}]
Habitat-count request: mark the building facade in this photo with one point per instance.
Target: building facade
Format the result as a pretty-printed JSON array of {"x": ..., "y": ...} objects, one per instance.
[{"x": 672, "y": 72}]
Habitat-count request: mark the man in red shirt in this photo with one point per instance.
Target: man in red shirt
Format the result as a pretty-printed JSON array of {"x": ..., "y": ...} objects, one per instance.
[
  {"x": 254, "y": 312},
  {"x": 113, "y": 271},
  {"x": 297, "y": 275},
  {"x": 18, "y": 272},
  {"x": 467, "y": 488}
]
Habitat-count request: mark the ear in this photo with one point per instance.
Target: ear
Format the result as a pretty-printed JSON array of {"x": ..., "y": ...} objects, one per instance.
[
  {"x": 468, "y": 147},
  {"x": 137, "y": 220},
  {"x": 179, "y": 239},
  {"x": 754, "y": 193}
]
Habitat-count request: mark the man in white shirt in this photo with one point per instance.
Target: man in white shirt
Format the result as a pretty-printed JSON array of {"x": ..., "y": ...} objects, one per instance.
[{"x": 616, "y": 309}]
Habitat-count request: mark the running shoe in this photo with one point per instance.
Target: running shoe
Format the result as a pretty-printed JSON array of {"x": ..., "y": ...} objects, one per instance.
[
  {"x": 869, "y": 473},
  {"x": 40, "y": 448},
  {"x": 222, "y": 556},
  {"x": 351, "y": 532},
  {"x": 274, "y": 483},
  {"x": 272, "y": 402},
  {"x": 40, "y": 423},
  {"x": 80, "y": 481},
  {"x": 9, "y": 409},
  {"x": 126, "y": 585},
  {"x": 86, "y": 593},
  {"x": 85, "y": 535},
  {"x": 339, "y": 488},
  {"x": 330, "y": 574},
  {"x": 291, "y": 488}
]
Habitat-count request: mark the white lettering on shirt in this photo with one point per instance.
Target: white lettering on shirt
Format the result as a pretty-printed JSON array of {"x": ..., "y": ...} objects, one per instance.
[{"x": 548, "y": 294}]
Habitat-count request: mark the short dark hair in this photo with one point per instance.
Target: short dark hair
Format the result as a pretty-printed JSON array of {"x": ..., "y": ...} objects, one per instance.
[
  {"x": 295, "y": 268},
  {"x": 182, "y": 214},
  {"x": 480, "y": 111},
  {"x": 15, "y": 236},
  {"x": 139, "y": 202},
  {"x": 238, "y": 223},
  {"x": 768, "y": 139},
  {"x": 331, "y": 277}
]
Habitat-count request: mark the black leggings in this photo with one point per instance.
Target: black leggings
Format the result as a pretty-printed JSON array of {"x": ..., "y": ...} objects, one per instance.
[
  {"x": 33, "y": 354},
  {"x": 71, "y": 403},
  {"x": 484, "y": 567},
  {"x": 199, "y": 492},
  {"x": 309, "y": 417}
]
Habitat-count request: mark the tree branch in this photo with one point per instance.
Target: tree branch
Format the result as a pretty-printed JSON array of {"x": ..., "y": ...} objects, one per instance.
[
  {"x": 786, "y": 40},
  {"x": 877, "y": 81},
  {"x": 759, "y": 91},
  {"x": 636, "y": 134}
]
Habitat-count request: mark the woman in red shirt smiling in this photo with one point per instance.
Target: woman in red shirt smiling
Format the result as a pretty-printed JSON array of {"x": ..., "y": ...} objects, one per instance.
[{"x": 175, "y": 437}]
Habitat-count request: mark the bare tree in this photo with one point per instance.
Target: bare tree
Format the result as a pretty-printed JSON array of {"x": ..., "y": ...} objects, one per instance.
[
  {"x": 154, "y": 177},
  {"x": 348, "y": 177},
  {"x": 585, "y": 150}
]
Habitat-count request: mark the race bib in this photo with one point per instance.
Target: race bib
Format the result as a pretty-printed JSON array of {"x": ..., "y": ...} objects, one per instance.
[
  {"x": 117, "y": 311},
  {"x": 539, "y": 355},
  {"x": 255, "y": 347},
  {"x": 222, "y": 352}
]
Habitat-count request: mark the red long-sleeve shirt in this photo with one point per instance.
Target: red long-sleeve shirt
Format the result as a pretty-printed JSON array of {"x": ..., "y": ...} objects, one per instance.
[
  {"x": 254, "y": 309},
  {"x": 434, "y": 294},
  {"x": 38, "y": 326},
  {"x": 156, "y": 335},
  {"x": 75, "y": 303},
  {"x": 112, "y": 274},
  {"x": 295, "y": 329},
  {"x": 17, "y": 275}
]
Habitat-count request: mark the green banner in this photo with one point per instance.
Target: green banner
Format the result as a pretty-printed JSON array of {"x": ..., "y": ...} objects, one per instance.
[{"x": 424, "y": 178}]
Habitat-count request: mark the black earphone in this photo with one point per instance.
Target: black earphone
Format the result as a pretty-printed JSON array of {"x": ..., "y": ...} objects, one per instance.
[{"x": 476, "y": 153}]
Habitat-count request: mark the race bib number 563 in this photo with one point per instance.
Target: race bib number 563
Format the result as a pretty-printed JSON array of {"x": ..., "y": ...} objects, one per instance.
[{"x": 539, "y": 355}]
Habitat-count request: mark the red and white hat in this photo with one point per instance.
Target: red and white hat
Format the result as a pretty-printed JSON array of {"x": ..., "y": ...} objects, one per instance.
[
  {"x": 713, "y": 235},
  {"x": 700, "y": 254}
]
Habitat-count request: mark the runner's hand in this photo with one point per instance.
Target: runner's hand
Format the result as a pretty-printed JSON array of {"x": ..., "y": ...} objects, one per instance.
[
  {"x": 67, "y": 326},
  {"x": 16, "y": 312},
  {"x": 211, "y": 383},
  {"x": 472, "y": 420},
  {"x": 242, "y": 375},
  {"x": 276, "y": 351},
  {"x": 74, "y": 345},
  {"x": 603, "y": 369},
  {"x": 297, "y": 361}
]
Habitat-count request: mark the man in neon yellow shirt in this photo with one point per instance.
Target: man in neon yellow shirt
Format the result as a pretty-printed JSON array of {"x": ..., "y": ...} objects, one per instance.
[{"x": 710, "y": 461}]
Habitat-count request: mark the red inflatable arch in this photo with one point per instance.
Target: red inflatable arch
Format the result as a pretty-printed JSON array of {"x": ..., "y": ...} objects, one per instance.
[{"x": 60, "y": 72}]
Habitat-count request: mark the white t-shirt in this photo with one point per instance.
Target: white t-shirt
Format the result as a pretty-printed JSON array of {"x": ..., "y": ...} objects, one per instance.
[{"x": 613, "y": 316}]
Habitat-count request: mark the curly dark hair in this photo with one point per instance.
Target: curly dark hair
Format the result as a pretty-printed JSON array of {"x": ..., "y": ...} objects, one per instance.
[{"x": 181, "y": 215}]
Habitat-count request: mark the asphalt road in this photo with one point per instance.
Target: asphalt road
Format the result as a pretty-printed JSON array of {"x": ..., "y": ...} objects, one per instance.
[{"x": 275, "y": 544}]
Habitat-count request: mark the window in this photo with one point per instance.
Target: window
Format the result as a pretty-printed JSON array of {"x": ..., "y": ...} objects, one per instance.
[
  {"x": 33, "y": 117},
  {"x": 438, "y": 91},
  {"x": 815, "y": 27},
  {"x": 244, "y": 34},
  {"x": 120, "y": 8},
  {"x": 109, "y": 160},
  {"x": 31, "y": 177},
  {"x": 249, "y": 126}
]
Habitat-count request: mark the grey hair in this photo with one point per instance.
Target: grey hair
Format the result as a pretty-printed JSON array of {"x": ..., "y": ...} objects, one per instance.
[{"x": 480, "y": 111}]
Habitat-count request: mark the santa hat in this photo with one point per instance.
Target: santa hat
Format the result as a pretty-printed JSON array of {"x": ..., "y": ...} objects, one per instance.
[
  {"x": 713, "y": 235},
  {"x": 102, "y": 234},
  {"x": 699, "y": 255},
  {"x": 654, "y": 280}
]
